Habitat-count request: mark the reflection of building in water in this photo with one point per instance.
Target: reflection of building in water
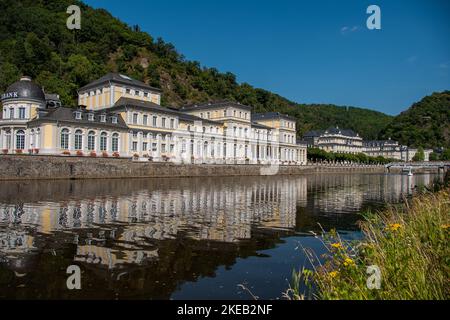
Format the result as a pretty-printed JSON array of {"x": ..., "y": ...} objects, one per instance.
[{"x": 224, "y": 211}]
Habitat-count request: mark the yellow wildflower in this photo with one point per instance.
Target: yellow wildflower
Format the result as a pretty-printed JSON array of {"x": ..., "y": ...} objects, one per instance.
[
  {"x": 336, "y": 245},
  {"x": 394, "y": 227},
  {"x": 445, "y": 226},
  {"x": 349, "y": 262},
  {"x": 333, "y": 274}
]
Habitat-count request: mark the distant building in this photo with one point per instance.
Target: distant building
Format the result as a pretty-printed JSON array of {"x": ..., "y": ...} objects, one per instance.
[
  {"x": 347, "y": 141},
  {"x": 335, "y": 140}
]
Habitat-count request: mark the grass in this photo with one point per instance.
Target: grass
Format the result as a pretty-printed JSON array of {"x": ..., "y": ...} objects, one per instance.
[{"x": 408, "y": 244}]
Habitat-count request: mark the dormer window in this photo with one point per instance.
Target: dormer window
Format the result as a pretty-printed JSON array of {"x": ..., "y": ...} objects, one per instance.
[
  {"x": 103, "y": 118},
  {"x": 137, "y": 93},
  {"x": 114, "y": 119},
  {"x": 146, "y": 94},
  {"x": 91, "y": 117},
  {"x": 78, "y": 115},
  {"x": 128, "y": 91}
]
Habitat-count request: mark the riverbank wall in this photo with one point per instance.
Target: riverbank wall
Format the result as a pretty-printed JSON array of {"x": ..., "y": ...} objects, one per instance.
[{"x": 23, "y": 167}]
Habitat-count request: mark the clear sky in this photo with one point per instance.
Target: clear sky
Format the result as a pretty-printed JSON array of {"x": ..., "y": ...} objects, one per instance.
[{"x": 309, "y": 51}]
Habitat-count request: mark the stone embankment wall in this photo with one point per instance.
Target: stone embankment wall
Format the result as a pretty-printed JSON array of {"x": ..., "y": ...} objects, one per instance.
[{"x": 22, "y": 167}]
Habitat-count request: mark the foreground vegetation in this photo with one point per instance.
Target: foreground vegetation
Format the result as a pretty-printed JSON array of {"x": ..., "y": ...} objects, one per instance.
[{"x": 409, "y": 245}]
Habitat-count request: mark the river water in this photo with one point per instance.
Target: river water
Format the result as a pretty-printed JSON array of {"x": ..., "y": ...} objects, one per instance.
[{"x": 193, "y": 238}]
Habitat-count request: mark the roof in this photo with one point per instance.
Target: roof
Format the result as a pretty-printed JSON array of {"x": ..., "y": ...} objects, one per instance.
[
  {"x": 24, "y": 89},
  {"x": 67, "y": 115},
  {"x": 260, "y": 126},
  {"x": 215, "y": 104},
  {"x": 118, "y": 78},
  {"x": 271, "y": 115},
  {"x": 190, "y": 118},
  {"x": 142, "y": 105},
  {"x": 344, "y": 132}
]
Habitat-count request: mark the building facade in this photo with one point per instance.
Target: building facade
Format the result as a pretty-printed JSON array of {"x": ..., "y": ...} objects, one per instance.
[
  {"x": 118, "y": 116},
  {"x": 347, "y": 141}
]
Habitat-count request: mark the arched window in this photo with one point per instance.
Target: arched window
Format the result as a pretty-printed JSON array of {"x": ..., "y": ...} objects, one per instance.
[
  {"x": 115, "y": 142},
  {"x": 8, "y": 139},
  {"x": 20, "y": 140},
  {"x": 32, "y": 139},
  {"x": 91, "y": 141},
  {"x": 65, "y": 139},
  {"x": 78, "y": 140},
  {"x": 103, "y": 141}
]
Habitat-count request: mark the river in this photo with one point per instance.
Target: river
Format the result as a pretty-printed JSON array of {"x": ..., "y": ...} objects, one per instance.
[{"x": 190, "y": 238}]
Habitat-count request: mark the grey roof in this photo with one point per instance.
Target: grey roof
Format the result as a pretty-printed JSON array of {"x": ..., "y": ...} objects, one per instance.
[
  {"x": 24, "y": 89},
  {"x": 271, "y": 115},
  {"x": 344, "y": 132},
  {"x": 142, "y": 105},
  {"x": 261, "y": 126},
  {"x": 188, "y": 117},
  {"x": 120, "y": 79},
  {"x": 215, "y": 104},
  {"x": 67, "y": 115}
]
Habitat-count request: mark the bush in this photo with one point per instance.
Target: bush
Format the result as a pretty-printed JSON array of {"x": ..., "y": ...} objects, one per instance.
[{"x": 408, "y": 244}]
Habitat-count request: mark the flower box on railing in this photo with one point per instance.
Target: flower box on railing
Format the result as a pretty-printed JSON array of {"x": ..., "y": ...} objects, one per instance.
[
  {"x": 116, "y": 155},
  {"x": 19, "y": 151},
  {"x": 80, "y": 153},
  {"x": 5, "y": 151},
  {"x": 105, "y": 155},
  {"x": 36, "y": 151},
  {"x": 66, "y": 153},
  {"x": 93, "y": 154}
]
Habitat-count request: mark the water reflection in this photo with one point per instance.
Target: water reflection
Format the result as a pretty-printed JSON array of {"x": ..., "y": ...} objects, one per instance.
[{"x": 145, "y": 238}]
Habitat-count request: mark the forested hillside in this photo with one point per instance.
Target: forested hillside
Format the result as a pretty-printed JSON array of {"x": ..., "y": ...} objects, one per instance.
[
  {"x": 425, "y": 124},
  {"x": 34, "y": 41}
]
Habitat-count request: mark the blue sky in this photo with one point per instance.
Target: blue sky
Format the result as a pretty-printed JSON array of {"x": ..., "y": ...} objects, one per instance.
[{"x": 309, "y": 51}]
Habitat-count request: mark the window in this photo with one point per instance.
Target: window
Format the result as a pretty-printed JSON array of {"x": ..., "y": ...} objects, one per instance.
[
  {"x": 154, "y": 147},
  {"x": 91, "y": 117},
  {"x": 183, "y": 146},
  {"x": 208, "y": 115},
  {"x": 134, "y": 146},
  {"x": 78, "y": 140},
  {"x": 115, "y": 142},
  {"x": 91, "y": 141},
  {"x": 224, "y": 113},
  {"x": 163, "y": 124},
  {"x": 103, "y": 141},
  {"x": 128, "y": 91},
  {"x": 144, "y": 146},
  {"x": 154, "y": 121},
  {"x": 78, "y": 115},
  {"x": 146, "y": 94},
  {"x": 11, "y": 113},
  {"x": 103, "y": 118},
  {"x": 65, "y": 139},
  {"x": 201, "y": 115},
  {"x": 21, "y": 113},
  {"x": 134, "y": 134},
  {"x": 172, "y": 148},
  {"x": 114, "y": 120},
  {"x": 144, "y": 120},
  {"x": 137, "y": 93},
  {"x": 172, "y": 123},
  {"x": 20, "y": 140},
  {"x": 163, "y": 148},
  {"x": 135, "y": 118}
]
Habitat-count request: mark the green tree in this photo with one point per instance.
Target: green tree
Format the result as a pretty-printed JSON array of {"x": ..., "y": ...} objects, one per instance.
[{"x": 420, "y": 155}]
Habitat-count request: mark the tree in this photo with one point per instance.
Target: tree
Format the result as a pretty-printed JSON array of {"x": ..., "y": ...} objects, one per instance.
[
  {"x": 420, "y": 155},
  {"x": 446, "y": 155}
]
